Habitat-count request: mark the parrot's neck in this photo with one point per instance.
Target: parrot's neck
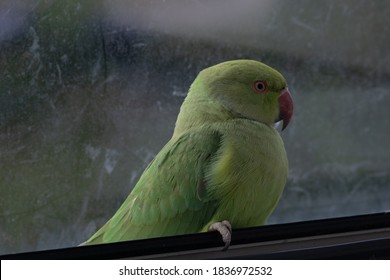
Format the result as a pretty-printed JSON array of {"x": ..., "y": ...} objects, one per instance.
[{"x": 198, "y": 110}]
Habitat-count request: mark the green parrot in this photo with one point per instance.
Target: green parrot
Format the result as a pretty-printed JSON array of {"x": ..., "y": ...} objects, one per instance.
[{"x": 224, "y": 167}]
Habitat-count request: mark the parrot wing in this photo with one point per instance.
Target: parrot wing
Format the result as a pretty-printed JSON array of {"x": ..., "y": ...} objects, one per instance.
[{"x": 170, "y": 198}]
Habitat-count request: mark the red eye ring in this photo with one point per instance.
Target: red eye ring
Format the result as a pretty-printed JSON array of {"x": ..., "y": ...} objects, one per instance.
[{"x": 260, "y": 86}]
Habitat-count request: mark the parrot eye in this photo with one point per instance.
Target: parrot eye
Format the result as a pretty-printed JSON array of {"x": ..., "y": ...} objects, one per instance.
[{"x": 260, "y": 86}]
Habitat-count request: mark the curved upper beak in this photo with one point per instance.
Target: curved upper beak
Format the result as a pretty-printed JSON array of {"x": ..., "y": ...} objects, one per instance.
[{"x": 285, "y": 107}]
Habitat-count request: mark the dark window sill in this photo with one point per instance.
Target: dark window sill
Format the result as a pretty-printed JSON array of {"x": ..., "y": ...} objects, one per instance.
[{"x": 357, "y": 237}]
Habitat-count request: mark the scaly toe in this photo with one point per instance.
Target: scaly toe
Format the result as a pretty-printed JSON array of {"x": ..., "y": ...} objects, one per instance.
[{"x": 225, "y": 229}]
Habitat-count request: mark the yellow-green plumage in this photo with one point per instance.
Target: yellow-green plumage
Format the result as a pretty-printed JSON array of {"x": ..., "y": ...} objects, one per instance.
[{"x": 225, "y": 161}]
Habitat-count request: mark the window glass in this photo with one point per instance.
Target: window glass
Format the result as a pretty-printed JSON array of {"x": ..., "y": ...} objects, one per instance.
[{"x": 90, "y": 91}]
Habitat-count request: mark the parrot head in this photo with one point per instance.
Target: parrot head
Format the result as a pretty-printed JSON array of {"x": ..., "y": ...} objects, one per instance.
[
  {"x": 249, "y": 89},
  {"x": 236, "y": 89}
]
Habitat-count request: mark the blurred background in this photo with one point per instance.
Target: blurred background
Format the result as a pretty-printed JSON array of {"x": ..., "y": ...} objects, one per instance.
[{"x": 90, "y": 91}]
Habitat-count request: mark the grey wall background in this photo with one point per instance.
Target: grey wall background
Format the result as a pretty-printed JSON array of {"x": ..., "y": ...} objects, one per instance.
[{"x": 90, "y": 90}]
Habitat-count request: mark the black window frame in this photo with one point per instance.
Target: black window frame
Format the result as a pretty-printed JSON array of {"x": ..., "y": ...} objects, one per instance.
[{"x": 356, "y": 237}]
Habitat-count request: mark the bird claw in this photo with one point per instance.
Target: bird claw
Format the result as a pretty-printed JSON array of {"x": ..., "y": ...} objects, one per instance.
[{"x": 225, "y": 229}]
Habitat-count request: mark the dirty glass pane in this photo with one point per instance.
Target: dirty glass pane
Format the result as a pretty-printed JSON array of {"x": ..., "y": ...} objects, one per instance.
[{"x": 90, "y": 90}]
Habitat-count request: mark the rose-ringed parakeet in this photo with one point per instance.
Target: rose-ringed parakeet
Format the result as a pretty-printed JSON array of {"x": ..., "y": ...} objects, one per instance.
[{"x": 225, "y": 165}]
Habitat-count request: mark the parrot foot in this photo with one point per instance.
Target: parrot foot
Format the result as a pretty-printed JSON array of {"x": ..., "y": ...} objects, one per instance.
[{"x": 225, "y": 229}]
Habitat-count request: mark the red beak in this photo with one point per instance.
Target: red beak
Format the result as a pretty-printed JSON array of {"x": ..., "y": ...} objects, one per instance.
[{"x": 285, "y": 107}]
